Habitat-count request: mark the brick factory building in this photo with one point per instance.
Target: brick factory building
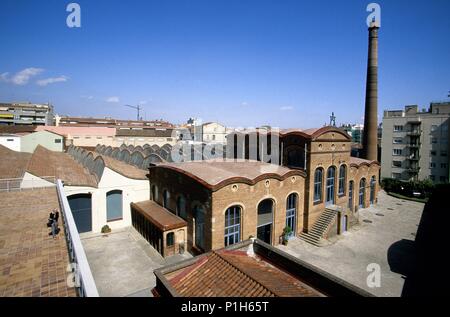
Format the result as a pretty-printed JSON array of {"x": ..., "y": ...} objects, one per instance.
[{"x": 316, "y": 190}]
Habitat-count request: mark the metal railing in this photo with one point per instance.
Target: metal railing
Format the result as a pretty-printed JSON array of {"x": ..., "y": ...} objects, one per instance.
[
  {"x": 84, "y": 281},
  {"x": 18, "y": 184}
]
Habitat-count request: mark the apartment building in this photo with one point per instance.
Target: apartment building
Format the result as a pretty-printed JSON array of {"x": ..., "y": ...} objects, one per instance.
[
  {"x": 26, "y": 114},
  {"x": 415, "y": 143}
]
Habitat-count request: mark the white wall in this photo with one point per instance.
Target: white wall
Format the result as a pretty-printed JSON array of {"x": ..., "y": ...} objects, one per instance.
[
  {"x": 10, "y": 141},
  {"x": 132, "y": 191},
  {"x": 32, "y": 181}
]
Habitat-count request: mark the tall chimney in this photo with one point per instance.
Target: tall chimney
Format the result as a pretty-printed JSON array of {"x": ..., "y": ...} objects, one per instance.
[{"x": 370, "y": 136}]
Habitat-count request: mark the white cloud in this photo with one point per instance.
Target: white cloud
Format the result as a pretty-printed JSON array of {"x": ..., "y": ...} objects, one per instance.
[
  {"x": 87, "y": 97},
  {"x": 4, "y": 76},
  {"x": 51, "y": 80},
  {"x": 22, "y": 77},
  {"x": 245, "y": 103},
  {"x": 286, "y": 108},
  {"x": 113, "y": 99},
  {"x": 143, "y": 102}
]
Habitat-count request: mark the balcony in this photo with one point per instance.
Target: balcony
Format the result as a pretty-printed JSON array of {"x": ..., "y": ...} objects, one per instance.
[
  {"x": 413, "y": 145},
  {"x": 413, "y": 158},
  {"x": 413, "y": 169},
  {"x": 414, "y": 132},
  {"x": 414, "y": 121}
]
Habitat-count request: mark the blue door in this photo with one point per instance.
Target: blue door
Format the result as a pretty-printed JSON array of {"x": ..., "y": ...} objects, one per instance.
[{"x": 80, "y": 205}]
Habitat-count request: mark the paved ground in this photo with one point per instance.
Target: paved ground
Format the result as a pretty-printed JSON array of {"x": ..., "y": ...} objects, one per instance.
[
  {"x": 122, "y": 263},
  {"x": 388, "y": 241}
]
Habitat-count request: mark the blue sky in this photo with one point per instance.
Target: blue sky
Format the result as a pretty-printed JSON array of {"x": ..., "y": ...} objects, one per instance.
[{"x": 242, "y": 62}]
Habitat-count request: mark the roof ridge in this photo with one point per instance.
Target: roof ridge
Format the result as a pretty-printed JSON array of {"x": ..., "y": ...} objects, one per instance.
[{"x": 244, "y": 273}]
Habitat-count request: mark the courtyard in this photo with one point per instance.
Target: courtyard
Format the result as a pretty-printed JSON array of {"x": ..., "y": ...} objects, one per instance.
[
  {"x": 122, "y": 263},
  {"x": 385, "y": 236}
]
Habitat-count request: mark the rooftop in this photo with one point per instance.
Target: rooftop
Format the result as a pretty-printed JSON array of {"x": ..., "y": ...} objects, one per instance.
[
  {"x": 250, "y": 268},
  {"x": 359, "y": 161},
  {"x": 12, "y": 163},
  {"x": 44, "y": 162},
  {"x": 32, "y": 263},
  {"x": 226, "y": 273},
  {"x": 122, "y": 168},
  {"x": 310, "y": 134},
  {"x": 159, "y": 215},
  {"x": 215, "y": 174}
]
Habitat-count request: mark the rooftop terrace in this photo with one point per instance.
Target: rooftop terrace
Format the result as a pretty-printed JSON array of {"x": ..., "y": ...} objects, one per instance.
[{"x": 32, "y": 263}]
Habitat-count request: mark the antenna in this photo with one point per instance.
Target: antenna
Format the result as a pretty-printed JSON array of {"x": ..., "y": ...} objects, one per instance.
[{"x": 138, "y": 108}]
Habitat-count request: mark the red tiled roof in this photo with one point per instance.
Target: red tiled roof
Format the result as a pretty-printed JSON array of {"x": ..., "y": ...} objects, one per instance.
[
  {"x": 310, "y": 134},
  {"x": 215, "y": 174},
  {"x": 235, "y": 274},
  {"x": 44, "y": 162},
  {"x": 355, "y": 161},
  {"x": 122, "y": 168},
  {"x": 13, "y": 164},
  {"x": 158, "y": 215}
]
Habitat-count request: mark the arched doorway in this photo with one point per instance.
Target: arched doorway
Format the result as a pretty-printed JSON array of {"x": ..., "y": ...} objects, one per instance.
[
  {"x": 81, "y": 206},
  {"x": 331, "y": 180},
  {"x": 265, "y": 220}
]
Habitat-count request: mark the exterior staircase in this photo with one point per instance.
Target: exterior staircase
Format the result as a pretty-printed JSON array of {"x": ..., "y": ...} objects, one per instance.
[{"x": 320, "y": 227}]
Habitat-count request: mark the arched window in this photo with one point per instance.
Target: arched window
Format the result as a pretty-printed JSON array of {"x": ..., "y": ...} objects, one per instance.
[
  {"x": 362, "y": 192},
  {"x": 154, "y": 193},
  {"x": 181, "y": 207},
  {"x": 331, "y": 181},
  {"x": 232, "y": 225},
  {"x": 318, "y": 179},
  {"x": 114, "y": 205},
  {"x": 373, "y": 184},
  {"x": 291, "y": 212},
  {"x": 166, "y": 199},
  {"x": 350, "y": 195},
  {"x": 199, "y": 219},
  {"x": 342, "y": 176}
]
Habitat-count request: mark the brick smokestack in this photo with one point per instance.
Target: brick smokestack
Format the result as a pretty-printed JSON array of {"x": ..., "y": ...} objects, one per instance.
[{"x": 370, "y": 136}]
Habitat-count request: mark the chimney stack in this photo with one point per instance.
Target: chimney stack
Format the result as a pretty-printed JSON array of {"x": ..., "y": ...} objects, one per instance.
[{"x": 370, "y": 136}]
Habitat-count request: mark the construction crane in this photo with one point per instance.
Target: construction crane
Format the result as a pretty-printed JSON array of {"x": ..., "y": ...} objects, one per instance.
[{"x": 138, "y": 108}]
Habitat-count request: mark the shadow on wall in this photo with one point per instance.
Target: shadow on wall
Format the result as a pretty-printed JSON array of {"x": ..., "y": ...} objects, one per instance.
[{"x": 423, "y": 261}]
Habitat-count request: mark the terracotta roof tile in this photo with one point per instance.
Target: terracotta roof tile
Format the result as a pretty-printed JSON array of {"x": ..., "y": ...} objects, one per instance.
[
  {"x": 358, "y": 161},
  {"x": 235, "y": 274},
  {"x": 44, "y": 162},
  {"x": 12, "y": 164},
  {"x": 158, "y": 215},
  {"x": 122, "y": 168},
  {"x": 32, "y": 263},
  {"x": 218, "y": 173}
]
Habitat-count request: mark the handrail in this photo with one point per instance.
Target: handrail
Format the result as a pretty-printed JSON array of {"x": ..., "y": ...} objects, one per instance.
[
  {"x": 19, "y": 184},
  {"x": 86, "y": 287}
]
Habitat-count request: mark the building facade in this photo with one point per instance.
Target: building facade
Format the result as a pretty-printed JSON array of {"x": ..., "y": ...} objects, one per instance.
[
  {"x": 415, "y": 143},
  {"x": 26, "y": 114},
  {"x": 225, "y": 201}
]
